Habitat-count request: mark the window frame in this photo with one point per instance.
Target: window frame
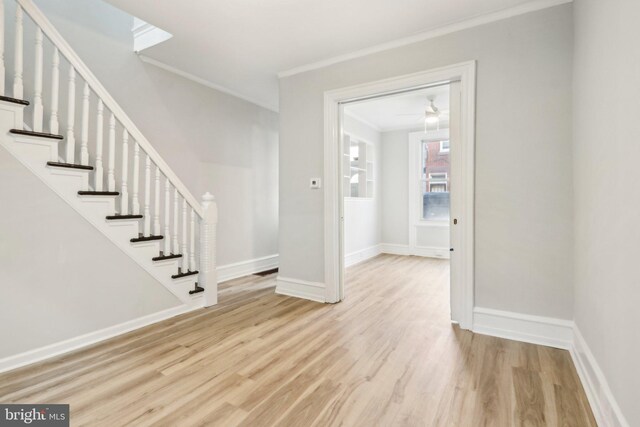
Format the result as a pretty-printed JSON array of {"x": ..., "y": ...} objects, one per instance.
[{"x": 417, "y": 153}]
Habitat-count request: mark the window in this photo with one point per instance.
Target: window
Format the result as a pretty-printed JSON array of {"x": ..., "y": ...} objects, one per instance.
[
  {"x": 444, "y": 146},
  {"x": 434, "y": 180}
]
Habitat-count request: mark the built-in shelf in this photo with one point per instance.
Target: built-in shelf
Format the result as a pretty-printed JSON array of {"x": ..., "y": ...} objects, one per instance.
[{"x": 359, "y": 159}]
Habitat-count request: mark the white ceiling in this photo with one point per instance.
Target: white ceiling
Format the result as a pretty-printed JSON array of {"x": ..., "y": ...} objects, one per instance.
[
  {"x": 403, "y": 111},
  {"x": 243, "y": 44}
]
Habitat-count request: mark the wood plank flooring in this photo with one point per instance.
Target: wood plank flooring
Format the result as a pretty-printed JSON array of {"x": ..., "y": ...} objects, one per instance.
[{"x": 386, "y": 356}]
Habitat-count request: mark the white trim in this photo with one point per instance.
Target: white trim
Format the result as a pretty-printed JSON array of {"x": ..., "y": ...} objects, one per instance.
[
  {"x": 146, "y": 35},
  {"x": 362, "y": 255},
  {"x": 603, "y": 404},
  {"x": 52, "y": 350},
  {"x": 431, "y": 252},
  {"x": 246, "y": 268},
  {"x": 558, "y": 333},
  {"x": 66, "y": 51},
  {"x": 313, "y": 291},
  {"x": 422, "y": 251},
  {"x": 334, "y": 188},
  {"x": 522, "y": 9},
  {"x": 205, "y": 82},
  {"x": 540, "y": 330},
  {"x": 394, "y": 249}
]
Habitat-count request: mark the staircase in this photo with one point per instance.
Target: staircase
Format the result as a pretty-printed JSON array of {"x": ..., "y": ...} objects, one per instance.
[{"x": 96, "y": 159}]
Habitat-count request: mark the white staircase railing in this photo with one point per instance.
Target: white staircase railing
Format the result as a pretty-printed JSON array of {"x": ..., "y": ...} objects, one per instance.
[{"x": 124, "y": 140}]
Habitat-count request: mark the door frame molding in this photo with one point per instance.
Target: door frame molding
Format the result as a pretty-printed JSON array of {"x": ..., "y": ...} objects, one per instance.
[{"x": 333, "y": 189}]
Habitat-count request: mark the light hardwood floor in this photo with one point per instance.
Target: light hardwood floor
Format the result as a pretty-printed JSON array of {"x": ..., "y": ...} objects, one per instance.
[{"x": 386, "y": 356}]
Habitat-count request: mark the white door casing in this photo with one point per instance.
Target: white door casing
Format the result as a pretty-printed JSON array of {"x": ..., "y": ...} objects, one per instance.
[{"x": 465, "y": 74}]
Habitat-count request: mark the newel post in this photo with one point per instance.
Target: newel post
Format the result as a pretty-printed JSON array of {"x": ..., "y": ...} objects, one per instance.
[{"x": 207, "y": 274}]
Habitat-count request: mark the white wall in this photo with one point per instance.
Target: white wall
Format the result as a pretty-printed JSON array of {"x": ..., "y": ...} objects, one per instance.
[
  {"x": 523, "y": 156},
  {"x": 362, "y": 216},
  {"x": 59, "y": 276},
  {"x": 213, "y": 141},
  {"x": 434, "y": 239},
  {"x": 607, "y": 201},
  {"x": 395, "y": 187}
]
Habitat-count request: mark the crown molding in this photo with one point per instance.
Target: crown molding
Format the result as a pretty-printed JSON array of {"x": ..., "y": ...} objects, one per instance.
[
  {"x": 205, "y": 82},
  {"x": 522, "y": 9}
]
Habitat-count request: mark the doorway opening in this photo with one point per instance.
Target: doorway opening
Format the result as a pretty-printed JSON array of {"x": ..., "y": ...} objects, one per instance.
[{"x": 399, "y": 177}]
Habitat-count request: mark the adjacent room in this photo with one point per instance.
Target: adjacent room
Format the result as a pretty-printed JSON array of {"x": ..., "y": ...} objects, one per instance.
[{"x": 397, "y": 177}]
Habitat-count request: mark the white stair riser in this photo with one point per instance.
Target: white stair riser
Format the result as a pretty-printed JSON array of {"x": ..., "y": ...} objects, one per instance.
[
  {"x": 106, "y": 203},
  {"x": 34, "y": 153}
]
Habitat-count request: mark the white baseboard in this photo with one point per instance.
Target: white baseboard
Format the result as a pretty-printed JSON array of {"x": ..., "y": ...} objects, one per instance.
[
  {"x": 603, "y": 404},
  {"x": 432, "y": 252},
  {"x": 246, "y": 268},
  {"x": 423, "y": 251},
  {"x": 394, "y": 249},
  {"x": 313, "y": 291},
  {"x": 56, "y": 349},
  {"x": 362, "y": 255},
  {"x": 547, "y": 331},
  {"x": 562, "y": 334}
]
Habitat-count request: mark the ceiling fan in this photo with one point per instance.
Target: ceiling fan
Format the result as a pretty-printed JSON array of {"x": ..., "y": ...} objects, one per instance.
[{"x": 432, "y": 115}]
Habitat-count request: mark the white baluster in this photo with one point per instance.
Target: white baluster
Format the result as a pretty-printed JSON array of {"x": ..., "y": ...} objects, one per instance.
[
  {"x": 99, "y": 132},
  {"x": 55, "y": 88},
  {"x": 147, "y": 196},
  {"x": 124, "y": 194},
  {"x": 176, "y": 243},
  {"x": 1, "y": 47},
  {"x": 185, "y": 252},
  {"x": 71, "y": 116},
  {"x": 136, "y": 179},
  {"x": 84, "y": 135},
  {"x": 111, "y": 167},
  {"x": 38, "y": 110},
  {"x": 156, "y": 205},
  {"x": 18, "y": 90},
  {"x": 167, "y": 216},
  {"x": 207, "y": 277},
  {"x": 192, "y": 242}
]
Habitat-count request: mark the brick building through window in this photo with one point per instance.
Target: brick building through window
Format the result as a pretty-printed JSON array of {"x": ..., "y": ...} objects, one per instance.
[{"x": 435, "y": 180}]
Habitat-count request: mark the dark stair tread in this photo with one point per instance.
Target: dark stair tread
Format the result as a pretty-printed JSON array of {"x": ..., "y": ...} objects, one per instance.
[
  {"x": 40, "y": 134},
  {"x": 70, "y": 166},
  {"x": 114, "y": 217},
  {"x": 196, "y": 289},
  {"x": 14, "y": 100},
  {"x": 165, "y": 257},
  {"x": 188, "y": 273},
  {"x": 146, "y": 238},
  {"x": 99, "y": 193}
]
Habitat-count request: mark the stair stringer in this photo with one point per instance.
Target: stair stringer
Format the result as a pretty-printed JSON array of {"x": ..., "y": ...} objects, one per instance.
[{"x": 35, "y": 152}]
